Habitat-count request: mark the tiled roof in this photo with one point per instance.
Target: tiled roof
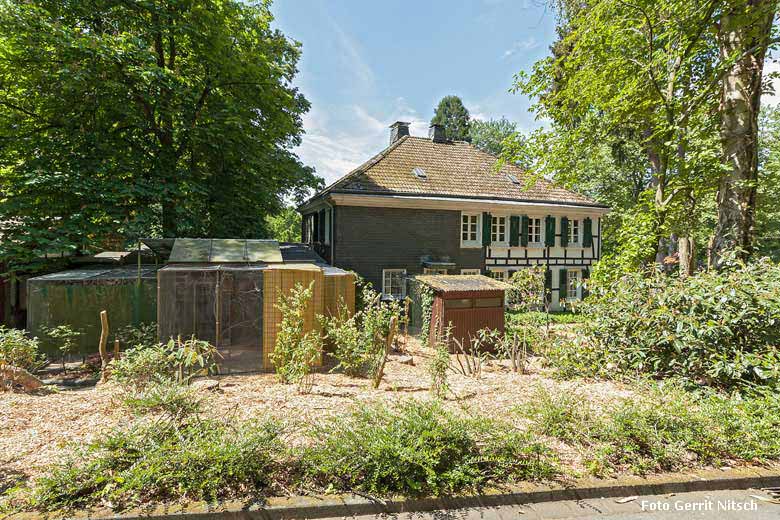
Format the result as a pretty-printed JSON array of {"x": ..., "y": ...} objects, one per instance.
[{"x": 452, "y": 168}]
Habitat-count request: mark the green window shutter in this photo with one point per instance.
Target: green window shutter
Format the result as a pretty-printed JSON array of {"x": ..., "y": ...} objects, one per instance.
[
  {"x": 524, "y": 231},
  {"x": 486, "y": 222},
  {"x": 514, "y": 231},
  {"x": 549, "y": 231},
  {"x": 564, "y": 231},
  {"x": 587, "y": 235},
  {"x": 562, "y": 285}
]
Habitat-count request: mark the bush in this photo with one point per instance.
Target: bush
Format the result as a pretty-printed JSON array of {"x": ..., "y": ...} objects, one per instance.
[
  {"x": 19, "y": 350},
  {"x": 176, "y": 360},
  {"x": 196, "y": 460},
  {"x": 359, "y": 341},
  {"x": 141, "y": 334},
  {"x": 166, "y": 396},
  {"x": 720, "y": 328},
  {"x": 439, "y": 364},
  {"x": 420, "y": 449},
  {"x": 296, "y": 351},
  {"x": 65, "y": 337}
]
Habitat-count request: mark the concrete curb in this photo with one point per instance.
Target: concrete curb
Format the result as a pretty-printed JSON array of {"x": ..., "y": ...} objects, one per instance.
[{"x": 354, "y": 505}]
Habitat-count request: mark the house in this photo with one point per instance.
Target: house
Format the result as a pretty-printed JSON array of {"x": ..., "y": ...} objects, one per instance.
[{"x": 433, "y": 206}]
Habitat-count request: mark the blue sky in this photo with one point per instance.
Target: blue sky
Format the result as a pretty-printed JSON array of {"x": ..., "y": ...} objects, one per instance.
[{"x": 368, "y": 63}]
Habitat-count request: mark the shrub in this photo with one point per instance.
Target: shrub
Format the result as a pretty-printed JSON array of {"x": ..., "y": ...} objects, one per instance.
[
  {"x": 359, "y": 341},
  {"x": 720, "y": 328},
  {"x": 19, "y": 350},
  {"x": 166, "y": 396},
  {"x": 65, "y": 337},
  {"x": 141, "y": 334},
  {"x": 438, "y": 366},
  {"x": 196, "y": 460},
  {"x": 528, "y": 289},
  {"x": 176, "y": 360},
  {"x": 420, "y": 449},
  {"x": 296, "y": 351}
]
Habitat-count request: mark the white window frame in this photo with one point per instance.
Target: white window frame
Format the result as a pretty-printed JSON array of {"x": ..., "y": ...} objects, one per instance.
[
  {"x": 575, "y": 240},
  {"x": 434, "y": 270},
  {"x": 470, "y": 271},
  {"x": 504, "y": 274},
  {"x": 499, "y": 234},
  {"x": 540, "y": 231},
  {"x": 387, "y": 290},
  {"x": 572, "y": 293},
  {"x": 477, "y": 242}
]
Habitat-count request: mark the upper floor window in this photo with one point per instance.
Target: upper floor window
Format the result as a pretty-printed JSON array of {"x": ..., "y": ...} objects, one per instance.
[
  {"x": 534, "y": 230},
  {"x": 394, "y": 283},
  {"x": 498, "y": 230},
  {"x": 574, "y": 232},
  {"x": 469, "y": 230},
  {"x": 434, "y": 270}
]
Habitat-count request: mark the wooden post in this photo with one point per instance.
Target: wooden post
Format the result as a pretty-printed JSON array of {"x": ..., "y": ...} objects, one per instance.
[
  {"x": 116, "y": 350},
  {"x": 102, "y": 347}
]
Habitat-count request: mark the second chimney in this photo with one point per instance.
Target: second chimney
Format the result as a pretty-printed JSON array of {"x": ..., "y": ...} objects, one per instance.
[
  {"x": 436, "y": 133},
  {"x": 398, "y": 130}
]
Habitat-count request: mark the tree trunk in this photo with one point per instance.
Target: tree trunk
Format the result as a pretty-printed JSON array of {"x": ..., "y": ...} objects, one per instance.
[
  {"x": 686, "y": 252},
  {"x": 743, "y": 37}
]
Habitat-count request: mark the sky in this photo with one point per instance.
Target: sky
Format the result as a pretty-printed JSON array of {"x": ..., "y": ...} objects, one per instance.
[{"x": 368, "y": 63}]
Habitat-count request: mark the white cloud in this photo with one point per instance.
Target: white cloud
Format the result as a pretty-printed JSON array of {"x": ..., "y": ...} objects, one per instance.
[{"x": 525, "y": 45}]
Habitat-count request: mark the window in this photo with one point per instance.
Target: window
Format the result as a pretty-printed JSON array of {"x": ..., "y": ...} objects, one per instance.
[
  {"x": 394, "y": 283},
  {"x": 498, "y": 230},
  {"x": 498, "y": 274},
  {"x": 574, "y": 232},
  {"x": 470, "y": 271},
  {"x": 488, "y": 302},
  {"x": 431, "y": 270},
  {"x": 464, "y": 303},
  {"x": 572, "y": 282},
  {"x": 534, "y": 231},
  {"x": 470, "y": 230}
]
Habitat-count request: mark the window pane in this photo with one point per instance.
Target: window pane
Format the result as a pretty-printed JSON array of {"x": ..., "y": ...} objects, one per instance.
[
  {"x": 488, "y": 302},
  {"x": 465, "y": 303}
]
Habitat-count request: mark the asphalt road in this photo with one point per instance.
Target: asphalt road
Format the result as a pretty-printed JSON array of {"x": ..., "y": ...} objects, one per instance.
[{"x": 720, "y": 505}]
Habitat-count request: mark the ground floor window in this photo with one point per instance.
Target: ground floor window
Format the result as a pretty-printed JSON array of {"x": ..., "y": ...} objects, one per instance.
[
  {"x": 499, "y": 274},
  {"x": 572, "y": 283},
  {"x": 394, "y": 283},
  {"x": 431, "y": 270},
  {"x": 470, "y": 271}
]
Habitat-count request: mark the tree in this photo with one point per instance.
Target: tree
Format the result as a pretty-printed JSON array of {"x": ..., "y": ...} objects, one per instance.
[
  {"x": 453, "y": 116},
  {"x": 744, "y": 35},
  {"x": 120, "y": 119},
  {"x": 489, "y": 136},
  {"x": 285, "y": 226}
]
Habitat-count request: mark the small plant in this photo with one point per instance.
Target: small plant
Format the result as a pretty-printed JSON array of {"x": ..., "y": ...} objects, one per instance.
[
  {"x": 470, "y": 356},
  {"x": 439, "y": 364},
  {"x": 19, "y": 350},
  {"x": 296, "y": 351},
  {"x": 166, "y": 396},
  {"x": 420, "y": 448},
  {"x": 65, "y": 336},
  {"x": 191, "y": 358},
  {"x": 141, "y": 334}
]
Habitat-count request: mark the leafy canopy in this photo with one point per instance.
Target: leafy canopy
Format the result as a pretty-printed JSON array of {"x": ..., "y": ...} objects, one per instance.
[{"x": 454, "y": 117}]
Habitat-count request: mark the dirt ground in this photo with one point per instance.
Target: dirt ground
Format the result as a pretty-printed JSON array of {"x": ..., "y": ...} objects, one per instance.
[{"x": 35, "y": 429}]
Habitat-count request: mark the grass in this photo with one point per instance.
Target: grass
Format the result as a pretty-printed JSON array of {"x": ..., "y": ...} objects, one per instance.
[{"x": 163, "y": 396}]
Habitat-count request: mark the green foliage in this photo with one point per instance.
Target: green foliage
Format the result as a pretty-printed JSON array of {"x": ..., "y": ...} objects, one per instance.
[
  {"x": 296, "y": 350},
  {"x": 359, "y": 340},
  {"x": 133, "y": 335},
  {"x": 194, "y": 459},
  {"x": 65, "y": 337},
  {"x": 539, "y": 318},
  {"x": 720, "y": 328},
  {"x": 165, "y": 396},
  {"x": 439, "y": 364},
  {"x": 19, "y": 350},
  {"x": 425, "y": 296},
  {"x": 122, "y": 120},
  {"x": 420, "y": 448},
  {"x": 663, "y": 429},
  {"x": 489, "y": 136},
  {"x": 767, "y": 211},
  {"x": 177, "y": 361},
  {"x": 285, "y": 226},
  {"x": 528, "y": 291},
  {"x": 454, "y": 117}
]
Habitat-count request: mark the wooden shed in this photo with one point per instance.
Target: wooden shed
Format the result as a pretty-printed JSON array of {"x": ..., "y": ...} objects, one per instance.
[{"x": 467, "y": 303}]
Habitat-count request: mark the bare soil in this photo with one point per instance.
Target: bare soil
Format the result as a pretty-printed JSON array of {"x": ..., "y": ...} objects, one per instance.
[{"x": 36, "y": 429}]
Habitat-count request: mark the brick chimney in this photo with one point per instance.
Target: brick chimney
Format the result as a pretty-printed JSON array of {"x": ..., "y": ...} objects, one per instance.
[
  {"x": 436, "y": 133},
  {"x": 398, "y": 130}
]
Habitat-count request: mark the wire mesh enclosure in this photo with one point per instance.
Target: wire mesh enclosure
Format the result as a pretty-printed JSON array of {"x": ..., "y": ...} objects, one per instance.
[{"x": 221, "y": 304}]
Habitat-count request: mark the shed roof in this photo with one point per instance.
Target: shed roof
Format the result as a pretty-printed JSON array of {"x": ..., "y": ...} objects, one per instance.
[
  {"x": 460, "y": 282},
  {"x": 227, "y": 250},
  {"x": 98, "y": 275}
]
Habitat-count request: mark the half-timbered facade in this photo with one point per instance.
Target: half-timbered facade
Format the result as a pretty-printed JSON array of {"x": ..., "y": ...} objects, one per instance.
[{"x": 433, "y": 206}]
